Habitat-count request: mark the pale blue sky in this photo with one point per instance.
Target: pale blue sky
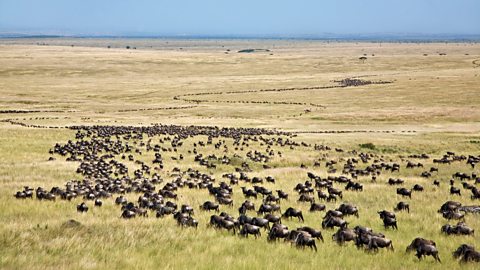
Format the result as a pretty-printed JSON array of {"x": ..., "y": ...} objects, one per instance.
[{"x": 242, "y": 17}]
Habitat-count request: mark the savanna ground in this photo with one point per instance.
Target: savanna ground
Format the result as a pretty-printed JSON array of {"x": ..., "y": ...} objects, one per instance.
[{"x": 431, "y": 106}]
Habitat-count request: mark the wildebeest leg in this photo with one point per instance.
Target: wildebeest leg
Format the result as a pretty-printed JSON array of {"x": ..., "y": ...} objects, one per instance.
[{"x": 419, "y": 255}]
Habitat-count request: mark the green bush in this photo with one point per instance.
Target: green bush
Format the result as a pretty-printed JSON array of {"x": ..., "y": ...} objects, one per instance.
[{"x": 370, "y": 146}]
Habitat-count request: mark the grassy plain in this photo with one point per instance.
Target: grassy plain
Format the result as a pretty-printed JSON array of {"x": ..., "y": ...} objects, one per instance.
[{"x": 431, "y": 106}]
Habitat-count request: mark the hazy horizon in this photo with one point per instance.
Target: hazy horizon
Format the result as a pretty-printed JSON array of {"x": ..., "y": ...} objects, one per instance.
[{"x": 249, "y": 18}]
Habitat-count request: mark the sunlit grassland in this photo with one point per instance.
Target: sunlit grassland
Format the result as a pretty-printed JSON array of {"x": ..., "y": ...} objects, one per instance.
[{"x": 434, "y": 96}]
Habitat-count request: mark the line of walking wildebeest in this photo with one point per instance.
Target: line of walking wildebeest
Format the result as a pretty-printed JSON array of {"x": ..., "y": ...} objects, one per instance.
[{"x": 103, "y": 153}]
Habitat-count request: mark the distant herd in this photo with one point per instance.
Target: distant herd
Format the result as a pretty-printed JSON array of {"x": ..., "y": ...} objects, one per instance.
[{"x": 104, "y": 153}]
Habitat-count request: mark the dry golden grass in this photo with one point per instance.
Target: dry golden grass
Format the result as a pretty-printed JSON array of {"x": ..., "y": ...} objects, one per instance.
[{"x": 435, "y": 96}]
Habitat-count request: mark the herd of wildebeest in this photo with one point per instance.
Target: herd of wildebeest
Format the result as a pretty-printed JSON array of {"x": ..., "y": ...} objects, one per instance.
[{"x": 111, "y": 167}]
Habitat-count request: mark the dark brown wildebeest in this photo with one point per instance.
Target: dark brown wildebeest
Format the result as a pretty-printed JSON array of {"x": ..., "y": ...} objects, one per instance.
[
  {"x": 427, "y": 250},
  {"x": 335, "y": 192},
  {"x": 209, "y": 205},
  {"x": 389, "y": 219},
  {"x": 364, "y": 235},
  {"x": 314, "y": 233},
  {"x": 467, "y": 253},
  {"x": 449, "y": 206},
  {"x": 453, "y": 215},
  {"x": 344, "y": 235},
  {"x": 127, "y": 214},
  {"x": 268, "y": 208},
  {"x": 282, "y": 194},
  {"x": 98, "y": 202},
  {"x": 82, "y": 207},
  {"x": 475, "y": 193},
  {"x": 417, "y": 242},
  {"x": 20, "y": 195},
  {"x": 278, "y": 231},
  {"x": 225, "y": 201},
  {"x": 402, "y": 206},
  {"x": 461, "y": 228},
  {"x": 322, "y": 195},
  {"x": 404, "y": 192},
  {"x": 292, "y": 212},
  {"x": 228, "y": 225},
  {"x": 186, "y": 209},
  {"x": 243, "y": 219},
  {"x": 261, "y": 222},
  {"x": 120, "y": 200},
  {"x": 271, "y": 199},
  {"x": 273, "y": 218},
  {"x": 165, "y": 210},
  {"x": 249, "y": 192},
  {"x": 348, "y": 209},
  {"x": 376, "y": 242},
  {"x": 317, "y": 207},
  {"x": 331, "y": 222},
  {"x": 354, "y": 186},
  {"x": 455, "y": 191},
  {"x": 304, "y": 239},
  {"x": 306, "y": 198},
  {"x": 250, "y": 229},
  {"x": 392, "y": 181},
  {"x": 418, "y": 187},
  {"x": 187, "y": 222}
]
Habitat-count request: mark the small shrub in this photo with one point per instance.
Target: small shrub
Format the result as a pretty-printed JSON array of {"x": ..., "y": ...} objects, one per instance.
[{"x": 370, "y": 146}]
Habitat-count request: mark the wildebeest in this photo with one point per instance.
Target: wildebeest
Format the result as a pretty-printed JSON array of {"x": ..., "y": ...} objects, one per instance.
[
  {"x": 402, "y": 206},
  {"x": 467, "y": 253},
  {"x": 376, "y": 242},
  {"x": 165, "y": 210},
  {"x": 449, "y": 206},
  {"x": 418, "y": 187},
  {"x": 268, "y": 208},
  {"x": 304, "y": 239},
  {"x": 282, "y": 194},
  {"x": 306, "y": 198},
  {"x": 331, "y": 222},
  {"x": 186, "y": 209},
  {"x": 98, "y": 202},
  {"x": 344, "y": 235},
  {"x": 249, "y": 192},
  {"x": 209, "y": 205},
  {"x": 419, "y": 241},
  {"x": 427, "y": 250},
  {"x": 261, "y": 222},
  {"x": 278, "y": 231},
  {"x": 461, "y": 228},
  {"x": 389, "y": 219},
  {"x": 273, "y": 218},
  {"x": 127, "y": 214},
  {"x": 314, "y": 233},
  {"x": 82, "y": 207},
  {"x": 404, "y": 192},
  {"x": 453, "y": 215},
  {"x": 225, "y": 201},
  {"x": 348, "y": 209},
  {"x": 292, "y": 212},
  {"x": 335, "y": 192},
  {"x": 455, "y": 191},
  {"x": 317, "y": 207},
  {"x": 250, "y": 229}
]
